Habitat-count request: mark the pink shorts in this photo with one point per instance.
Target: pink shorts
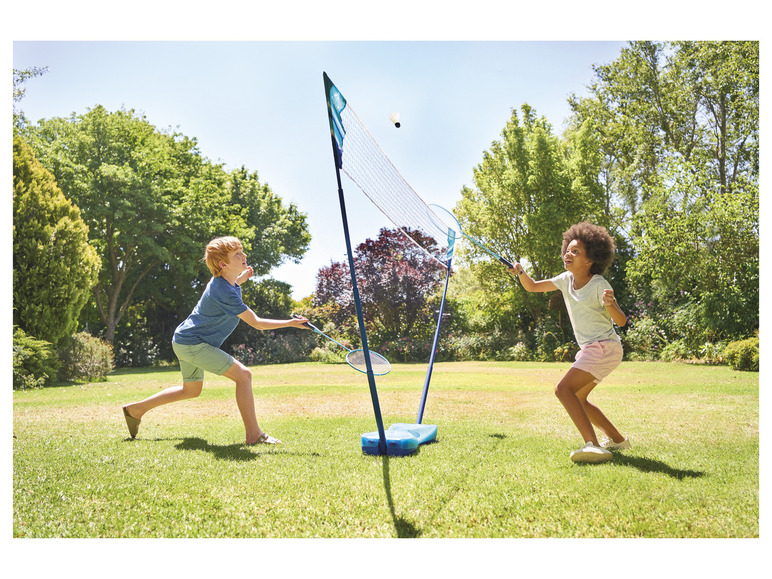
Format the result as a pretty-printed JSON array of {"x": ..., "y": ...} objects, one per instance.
[{"x": 599, "y": 358}]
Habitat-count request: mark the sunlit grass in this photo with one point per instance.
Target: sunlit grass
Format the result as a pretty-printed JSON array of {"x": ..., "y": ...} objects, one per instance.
[{"x": 500, "y": 467}]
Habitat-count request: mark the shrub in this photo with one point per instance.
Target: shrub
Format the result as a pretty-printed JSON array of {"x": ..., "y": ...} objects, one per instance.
[
  {"x": 676, "y": 351},
  {"x": 743, "y": 355},
  {"x": 86, "y": 357},
  {"x": 327, "y": 356},
  {"x": 566, "y": 352},
  {"x": 520, "y": 353},
  {"x": 34, "y": 361},
  {"x": 270, "y": 347},
  {"x": 645, "y": 339},
  {"x": 712, "y": 353}
]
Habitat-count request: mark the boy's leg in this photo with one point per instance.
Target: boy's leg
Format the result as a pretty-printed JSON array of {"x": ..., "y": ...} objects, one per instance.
[
  {"x": 567, "y": 390},
  {"x": 171, "y": 394},
  {"x": 245, "y": 400}
]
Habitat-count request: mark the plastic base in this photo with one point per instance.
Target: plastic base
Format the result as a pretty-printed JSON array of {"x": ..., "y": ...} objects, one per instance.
[{"x": 401, "y": 439}]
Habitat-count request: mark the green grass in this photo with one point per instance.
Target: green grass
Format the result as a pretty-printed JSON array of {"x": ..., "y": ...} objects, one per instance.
[{"x": 500, "y": 467}]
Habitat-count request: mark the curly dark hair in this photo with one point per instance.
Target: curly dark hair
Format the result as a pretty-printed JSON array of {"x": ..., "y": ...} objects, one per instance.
[{"x": 598, "y": 244}]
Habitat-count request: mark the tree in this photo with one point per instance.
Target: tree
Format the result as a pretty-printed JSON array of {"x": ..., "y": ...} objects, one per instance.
[
  {"x": 395, "y": 279},
  {"x": 20, "y": 76},
  {"x": 529, "y": 188},
  {"x": 678, "y": 127},
  {"x": 152, "y": 203},
  {"x": 694, "y": 100},
  {"x": 54, "y": 267}
]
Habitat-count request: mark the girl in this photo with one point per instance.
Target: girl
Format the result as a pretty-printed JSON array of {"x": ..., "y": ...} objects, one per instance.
[
  {"x": 588, "y": 251},
  {"x": 197, "y": 340}
]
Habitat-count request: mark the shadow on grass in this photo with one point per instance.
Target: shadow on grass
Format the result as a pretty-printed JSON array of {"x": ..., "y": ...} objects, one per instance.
[
  {"x": 235, "y": 452},
  {"x": 405, "y": 529},
  {"x": 650, "y": 465}
]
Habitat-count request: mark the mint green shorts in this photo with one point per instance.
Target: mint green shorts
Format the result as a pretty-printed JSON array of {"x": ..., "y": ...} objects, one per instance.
[{"x": 195, "y": 359}]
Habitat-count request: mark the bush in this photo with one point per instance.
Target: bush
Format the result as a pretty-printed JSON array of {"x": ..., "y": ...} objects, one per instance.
[
  {"x": 520, "y": 353},
  {"x": 34, "y": 361},
  {"x": 743, "y": 355},
  {"x": 328, "y": 356},
  {"x": 676, "y": 351},
  {"x": 86, "y": 358},
  {"x": 275, "y": 347},
  {"x": 644, "y": 339},
  {"x": 566, "y": 352}
]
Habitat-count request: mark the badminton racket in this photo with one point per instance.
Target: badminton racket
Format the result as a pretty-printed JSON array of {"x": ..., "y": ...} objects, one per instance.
[
  {"x": 357, "y": 358},
  {"x": 445, "y": 220}
]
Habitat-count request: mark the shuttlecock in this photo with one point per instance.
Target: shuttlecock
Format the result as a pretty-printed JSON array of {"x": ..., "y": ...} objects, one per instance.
[{"x": 394, "y": 118}]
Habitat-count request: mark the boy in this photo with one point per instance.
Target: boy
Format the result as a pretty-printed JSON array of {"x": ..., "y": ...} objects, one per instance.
[
  {"x": 197, "y": 340},
  {"x": 588, "y": 251}
]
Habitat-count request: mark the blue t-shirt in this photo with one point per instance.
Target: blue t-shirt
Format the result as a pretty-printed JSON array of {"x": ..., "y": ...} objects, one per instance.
[{"x": 215, "y": 316}]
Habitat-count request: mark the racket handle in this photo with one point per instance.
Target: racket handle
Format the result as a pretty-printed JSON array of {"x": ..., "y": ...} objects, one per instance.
[
  {"x": 506, "y": 262},
  {"x": 307, "y": 324}
]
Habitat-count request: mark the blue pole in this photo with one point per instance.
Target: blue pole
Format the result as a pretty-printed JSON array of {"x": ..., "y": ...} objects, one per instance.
[
  {"x": 434, "y": 348},
  {"x": 360, "y": 317}
]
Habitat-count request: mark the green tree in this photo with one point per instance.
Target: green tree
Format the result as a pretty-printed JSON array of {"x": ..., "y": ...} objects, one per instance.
[
  {"x": 530, "y": 187},
  {"x": 54, "y": 267},
  {"x": 152, "y": 202},
  {"x": 20, "y": 76},
  {"x": 678, "y": 128},
  {"x": 694, "y": 100}
]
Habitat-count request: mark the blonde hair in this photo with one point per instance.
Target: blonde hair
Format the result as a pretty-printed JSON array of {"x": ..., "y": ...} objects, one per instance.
[{"x": 217, "y": 250}]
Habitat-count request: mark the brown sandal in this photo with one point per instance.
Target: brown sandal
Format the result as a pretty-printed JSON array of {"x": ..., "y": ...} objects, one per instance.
[{"x": 131, "y": 422}]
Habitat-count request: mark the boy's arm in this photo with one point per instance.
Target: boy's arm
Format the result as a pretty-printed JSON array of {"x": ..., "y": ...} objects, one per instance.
[
  {"x": 529, "y": 284},
  {"x": 265, "y": 324},
  {"x": 245, "y": 275},
  {"x": 612, "y": 307}
]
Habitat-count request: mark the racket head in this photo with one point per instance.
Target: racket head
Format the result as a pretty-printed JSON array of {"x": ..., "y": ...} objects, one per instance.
[
  {"x": 445, "y": 220},
  {"x": 358, "y": 361}
]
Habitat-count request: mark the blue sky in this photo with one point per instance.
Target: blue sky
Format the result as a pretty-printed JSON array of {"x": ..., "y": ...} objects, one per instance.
[{"x": 261, "y": 105}]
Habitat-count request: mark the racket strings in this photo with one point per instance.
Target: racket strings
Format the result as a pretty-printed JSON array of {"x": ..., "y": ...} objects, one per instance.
[{"x": 358, "y": 360}]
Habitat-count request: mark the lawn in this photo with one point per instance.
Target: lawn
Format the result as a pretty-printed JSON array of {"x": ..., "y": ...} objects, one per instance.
[{"x": 499, "y": 469}]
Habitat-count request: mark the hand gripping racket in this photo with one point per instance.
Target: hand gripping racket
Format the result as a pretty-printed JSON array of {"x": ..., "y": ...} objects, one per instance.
[
  {"x": 445, "y": 220},
  {"x": 357, "y": 359}
]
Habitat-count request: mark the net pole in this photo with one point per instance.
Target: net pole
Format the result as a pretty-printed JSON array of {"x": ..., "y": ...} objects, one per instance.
[
  {"x": 425, "y": 392},
  {"x": 358, "y": 303}
]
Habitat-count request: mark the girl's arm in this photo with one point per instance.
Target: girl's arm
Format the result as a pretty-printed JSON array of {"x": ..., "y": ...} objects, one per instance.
[
  {"x": 612, "y": 307},
  {"x": 264, "y": 324},
  {"x": 529, "y": 284}
]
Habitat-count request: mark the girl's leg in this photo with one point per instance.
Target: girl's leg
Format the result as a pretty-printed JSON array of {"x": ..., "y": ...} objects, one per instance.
[
  {"x": 573, "y": 382},
  {"x": 245, "y": 400},
  {"x": 597, "y": 417},
  {"x": 172, "y": 394}
]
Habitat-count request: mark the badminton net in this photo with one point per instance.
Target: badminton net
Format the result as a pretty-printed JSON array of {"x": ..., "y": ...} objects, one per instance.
[{"x": 364, "y": 162}]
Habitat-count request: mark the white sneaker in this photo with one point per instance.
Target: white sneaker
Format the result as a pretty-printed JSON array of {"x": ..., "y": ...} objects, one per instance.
[
  {"x": 591, "y": 453},
  {"x": 610, "y": 444}
]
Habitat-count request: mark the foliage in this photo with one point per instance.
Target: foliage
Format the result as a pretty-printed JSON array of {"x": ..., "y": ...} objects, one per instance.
[
  {"x": 644, "y": 339},
  {"x": 677, "y": 125},
  {"x": 54, "y": 267},
  {"x": 327, "y": 355},
  {"x": 520, "y": 353},
  {"x": 20, "y": 76},
  {"x": 86, "y": 357},
  {"x": 34, "y": 361},
  {"x": 395, "y": 278},
  {"x": 152, "y": 203},
  {"x": 743, "y": 354},
  {"x": 275, "y": 347}
]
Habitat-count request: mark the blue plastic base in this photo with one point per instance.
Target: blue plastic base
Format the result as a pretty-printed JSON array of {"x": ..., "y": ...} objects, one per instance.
[{"x": 401, "y": 439}]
